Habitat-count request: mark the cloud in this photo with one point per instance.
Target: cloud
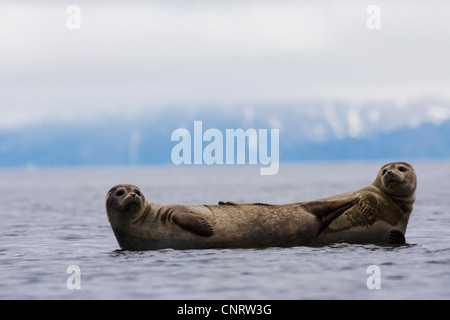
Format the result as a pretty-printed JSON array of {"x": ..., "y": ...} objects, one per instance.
[{"x": 137, "y": 55}]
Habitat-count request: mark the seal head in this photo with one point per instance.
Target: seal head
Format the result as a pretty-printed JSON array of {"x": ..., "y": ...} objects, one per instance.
[
  {"x": 124, "y": 202},
  {"x": 397, "y": 180}
]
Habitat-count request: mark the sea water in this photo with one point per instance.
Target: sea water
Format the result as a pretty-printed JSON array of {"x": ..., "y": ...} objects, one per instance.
[{"x": 56, "y": 241}]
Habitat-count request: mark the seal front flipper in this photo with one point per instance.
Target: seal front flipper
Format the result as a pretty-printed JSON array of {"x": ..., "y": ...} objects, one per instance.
[
  {"x": 193, "y": 223},
  {"x": 396, "y": 237},
  {"x": 368, "y": 206},
  {"x": 329, "y": 209}
]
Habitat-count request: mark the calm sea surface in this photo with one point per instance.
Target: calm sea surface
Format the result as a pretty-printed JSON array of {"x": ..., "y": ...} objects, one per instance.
[{"x": 55, "y": 218}]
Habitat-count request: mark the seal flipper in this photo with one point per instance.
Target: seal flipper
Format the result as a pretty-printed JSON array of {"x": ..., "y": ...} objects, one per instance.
[
  {"x": 329, "y": 209},
  {"x": 228, "y": 203},
  {"x": 368, "y": 206},
  {"x": 193, "y": 223},
  {"x": 396, "y": 237},
  {"x": 233, "y": 203}
]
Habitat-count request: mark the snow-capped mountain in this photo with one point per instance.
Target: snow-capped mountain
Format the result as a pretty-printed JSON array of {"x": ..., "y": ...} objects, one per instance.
[{"x": 308, "y": 131}]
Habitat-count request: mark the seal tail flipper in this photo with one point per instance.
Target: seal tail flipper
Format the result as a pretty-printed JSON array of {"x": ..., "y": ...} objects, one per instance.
[
  {"x": 233, "y": 203},
  {"x": 193, "y": 223},
  {"x": 228, "y": 203},
  {"x": 396, "y": 237},
  {"x": 329, "y": 209}
]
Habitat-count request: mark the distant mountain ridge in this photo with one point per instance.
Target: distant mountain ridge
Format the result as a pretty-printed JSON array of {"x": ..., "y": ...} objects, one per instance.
[{"x": 307, "y": 133}]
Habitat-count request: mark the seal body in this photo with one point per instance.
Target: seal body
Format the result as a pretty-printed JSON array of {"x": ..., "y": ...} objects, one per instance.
[
  {"x": 142, "y": 225},
  {"x": 381, "y": 215}
]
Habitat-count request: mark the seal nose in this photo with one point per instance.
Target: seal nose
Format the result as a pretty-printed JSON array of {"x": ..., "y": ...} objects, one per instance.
[{"x": 133, "y": 195}]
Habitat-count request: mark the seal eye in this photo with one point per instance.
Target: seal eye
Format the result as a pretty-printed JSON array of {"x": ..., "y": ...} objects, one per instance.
[
  {"x": 137, "y": 192},
  {"x": 384, "y": 171},
  {"x": 120, "y": 193},
  {"x": 402, "y": 169}
]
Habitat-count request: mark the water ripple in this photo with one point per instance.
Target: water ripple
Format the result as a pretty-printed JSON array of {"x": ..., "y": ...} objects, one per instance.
[{"x": 42, "y": 237}]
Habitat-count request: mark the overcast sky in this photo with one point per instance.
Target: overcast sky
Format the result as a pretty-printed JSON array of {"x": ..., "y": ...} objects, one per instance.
[{"x": 148, "y": 54}]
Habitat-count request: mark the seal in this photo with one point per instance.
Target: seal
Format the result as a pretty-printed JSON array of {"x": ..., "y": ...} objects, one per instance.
[
  {"x": 381, "y": 215},
  {"x": 142, "y": 225}
]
